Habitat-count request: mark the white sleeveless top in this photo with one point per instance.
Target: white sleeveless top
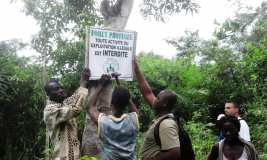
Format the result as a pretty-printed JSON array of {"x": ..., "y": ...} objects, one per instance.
[{"x": 244, "y": 155}]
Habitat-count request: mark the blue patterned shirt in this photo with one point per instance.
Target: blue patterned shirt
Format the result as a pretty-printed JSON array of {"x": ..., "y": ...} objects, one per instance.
[{"x": 118, "y": 136}]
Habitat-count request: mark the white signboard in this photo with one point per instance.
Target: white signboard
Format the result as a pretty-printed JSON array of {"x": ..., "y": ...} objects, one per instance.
[{"x": 110, "y": 51}]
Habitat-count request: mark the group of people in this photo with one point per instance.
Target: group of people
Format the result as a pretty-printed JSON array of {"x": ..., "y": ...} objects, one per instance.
[
  {"x": 116, "y": 131},
  {"x": 235, "y": 143}
]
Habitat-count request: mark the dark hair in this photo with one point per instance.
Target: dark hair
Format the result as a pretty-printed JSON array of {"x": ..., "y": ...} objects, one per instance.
[
  {"x": 120, "y": 97},
  {"x": 231, "y": 119},
  {"x": 171, "y": 98},
  {"x": 236, "y": 104},
  {"x": 47, "y": 84}
]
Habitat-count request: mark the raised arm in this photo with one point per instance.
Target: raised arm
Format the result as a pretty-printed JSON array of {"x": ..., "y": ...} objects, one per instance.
[
  {"x": 131, "y": 107},
  {"x": 116, "y": 76},
  {"x": 79, "y": 96},
  {"x": 56, "y": 113},
  {"x": 94, "y": 113},
  {"x": 214, "y": 153},
  {"x": 143, "y": 85}
]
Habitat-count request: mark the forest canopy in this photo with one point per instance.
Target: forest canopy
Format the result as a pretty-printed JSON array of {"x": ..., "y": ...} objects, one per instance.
[{"x": 231, "y": 65}]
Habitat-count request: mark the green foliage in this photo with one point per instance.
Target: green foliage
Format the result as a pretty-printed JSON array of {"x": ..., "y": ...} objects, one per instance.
[
  {"x": 230, "y": 66},
  {"x": 187, "y": 46},
  {"x": 22, "y": 109},
  {"x": 161, "y": 9},
  {"x": 201, "y": 136},
  {"x": 7, "y": 57},
  {"x": 177, "y": 76},
  {"x": 233, "y": 67},
  {"x": 256, "y": 115},
  {"x": 62, "y": 32}
]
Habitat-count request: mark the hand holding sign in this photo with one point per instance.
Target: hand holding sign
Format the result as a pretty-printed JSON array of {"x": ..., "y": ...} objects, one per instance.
[
  {"x": 85, "y": 77},
  {"x": 116, "y": 76},
  {"x": 105, "y": 78}
]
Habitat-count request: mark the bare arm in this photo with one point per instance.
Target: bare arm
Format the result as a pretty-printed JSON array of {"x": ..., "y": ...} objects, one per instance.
[
  {"x": 143, "y": 85},
  {"x": 85, "y": 78},
  {"x": 55, "y": 114},
  {"x": 73, "y": 105},
  {"x": 214, "y": 152},
  {"x": 131, "y": 107},
  {"x": 94, "y": 113},
  {"x": 116, "y": 76}
]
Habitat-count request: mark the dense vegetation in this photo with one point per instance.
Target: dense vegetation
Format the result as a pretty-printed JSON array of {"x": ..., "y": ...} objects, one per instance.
[{"x": 232, "y": 65}]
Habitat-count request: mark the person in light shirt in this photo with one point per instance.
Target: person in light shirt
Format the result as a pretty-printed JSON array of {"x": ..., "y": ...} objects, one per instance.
[{"x": 233, "y": 109}]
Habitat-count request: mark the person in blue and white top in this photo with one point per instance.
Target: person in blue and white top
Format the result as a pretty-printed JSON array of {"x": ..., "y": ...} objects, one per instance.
[{"x": 117, "y": 132}]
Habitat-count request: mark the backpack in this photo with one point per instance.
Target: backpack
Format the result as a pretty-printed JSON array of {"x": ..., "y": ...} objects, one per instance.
[{"x": 186, "y": 148}]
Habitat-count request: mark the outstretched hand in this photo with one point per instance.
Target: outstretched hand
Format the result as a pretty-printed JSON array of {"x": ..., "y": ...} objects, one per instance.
[
  {"x": 105, "y": 79},
  {"x": 116, "y": 76}
]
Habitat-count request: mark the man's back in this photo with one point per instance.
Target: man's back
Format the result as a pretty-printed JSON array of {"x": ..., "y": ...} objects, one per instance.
[{"x": 168, "y": 132}]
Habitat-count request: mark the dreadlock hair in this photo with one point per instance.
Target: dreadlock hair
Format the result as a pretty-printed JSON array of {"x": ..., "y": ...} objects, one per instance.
[{"x": 120, "y": 98}]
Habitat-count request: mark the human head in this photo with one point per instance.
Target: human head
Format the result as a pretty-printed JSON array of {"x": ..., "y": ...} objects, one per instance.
[
  {"x": 230, "y": 127},
  {"x": 165, "y": 100},
  {"x": 55, "y": 91},
  {"x": 231, "y": 109},
  {"x": 120, "y": 98}
]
